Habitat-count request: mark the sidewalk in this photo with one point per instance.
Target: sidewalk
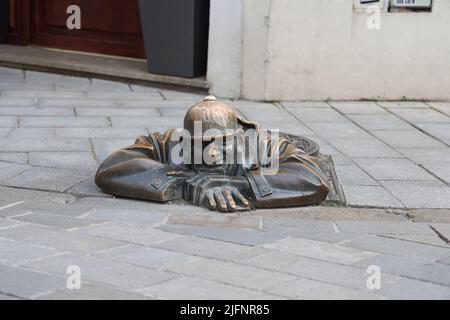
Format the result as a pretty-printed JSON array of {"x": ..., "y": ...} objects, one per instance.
[{"x": 392, "y": 160}]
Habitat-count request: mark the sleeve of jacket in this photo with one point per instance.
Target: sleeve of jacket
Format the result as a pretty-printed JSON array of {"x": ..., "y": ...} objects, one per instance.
[
  {"x": 296, "y": 181},
  {"x": 136, "y": 172}
]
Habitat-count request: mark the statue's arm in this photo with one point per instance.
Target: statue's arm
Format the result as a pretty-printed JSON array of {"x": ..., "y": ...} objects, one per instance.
[
  {"x": 298, "y": 181},
  {"x": 131, "y": 172}
]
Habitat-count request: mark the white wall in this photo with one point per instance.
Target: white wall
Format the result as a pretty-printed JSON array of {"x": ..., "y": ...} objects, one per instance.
[{"x": 322, "y": 49}]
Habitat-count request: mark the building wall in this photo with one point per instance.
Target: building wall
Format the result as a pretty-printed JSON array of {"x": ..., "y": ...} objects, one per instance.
[{"x": 323, "y": 49}]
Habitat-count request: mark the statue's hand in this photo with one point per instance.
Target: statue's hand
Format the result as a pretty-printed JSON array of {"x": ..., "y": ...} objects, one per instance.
[{"x": 216, "y": 193}]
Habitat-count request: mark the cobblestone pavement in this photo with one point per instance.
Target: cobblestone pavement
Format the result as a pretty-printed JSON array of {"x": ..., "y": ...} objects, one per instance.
[{"x": 392, "y": 159}]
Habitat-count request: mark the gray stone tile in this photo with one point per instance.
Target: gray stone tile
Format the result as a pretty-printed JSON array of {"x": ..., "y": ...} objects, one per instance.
[
  {"x": 305, "y": 104},
  {"x": 318, "y": 115},
  {"x": 43, "y": 94},
  {"x": 156, "y": 124},
  {"x": 7, "y": 223},
  {"x": 320, "y": 250},
  {"x": 353, "y": 175},
  {"x": 370, "y": 196},
  {"x": 58, "y": 239},
  {"x": 74, "y": 103},
  {"x": 117, "y": 112},
  {"x": 408, "y": 289},
  {"x": 403, "y": 104},
  {"x": 133, "y": 234},
  {"x": 4, "y": 132},
  {"x": 421, "y": 194},
  {"x": 129, "y": 216},
  {"x": 179, "y": 95},
  {"x": 26, "y": 283},
  {"x": 420, "y": 253},
  {"x": 19, "y": 85},
  {"x": 106, "y": 132},
  {"x": 92, "y": 291},
  {"x": 17, "y": 253},
  {"x": 443, "y": 107},
  {"x": 338, "y": 130},
  {"x": 394, "y": 169},
  {"x": 342, "y": 275},
  {"x": 147, "y": 257},
  {"x": 213, "y": 220},
  {"x": 364, "y": 148},
  {"x": 88, "y": 188},
  {"x": 9, "y": 170},
  {"x": 30, "y": 133},
  {"x": 8, "y": 122},
  {"x": 234, "y": 235},
  {"x": 384, "y": 227},
  {"x": 426, "y": 155},
  {"x": 20, "y": 158},
  {"x": 441, "y": 170},
  {"x": 45, "y": 179},
  {"x": 421, "y": 115},
  {"x": 62, "y": 122},
  {"x": 80, "y": 161},
  {"x": 293, "y": 126},
  {"x": 10, "y": 72},
  {"x": 231, "y": 273},
  {"x": 104, "y": 147},
  {"x": 440, "y": 131},
  {"x": 430, "y": 239},
  {"x": 118, "y": 274},
  {"x": 143, "y": 88},
  {"x": 36, "y": 111},
  {"x": 43, "y": 205},
  {"x": 57, "y": 221},
  {"x": 357, "y": 107},
  {"x": 124, "y": 95},
  {"x": 380, "y": 122},
  {"x": 39, "y": 77},
  {"x": 279, "y": 224},
  {"x": 442, "y": 228},
  {"x": 210, "y": 248},
  {"x": 201, "y": 289},
  {"x": 407, "y": 139},
  {"x": 13, "y": 195},
  {"x": 306, "y": 289}
]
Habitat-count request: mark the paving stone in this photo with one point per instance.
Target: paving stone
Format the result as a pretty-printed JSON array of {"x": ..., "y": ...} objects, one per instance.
[
  {"x": 57, "y": 221},
  {"x": 200, "y": 289},
  {"x": 292, "y": 126},
  {"x": 36, "y": 76},
  {"x": 430, "y": 239},
  {"x": 280, "y": 224},
  {"x": 62, "y": 122},
  {"x": 9, "y": 170},
  {"x": 380, "y": 122},
  {"x": 118, "y": 204},
  {"x": 430, "y": 215},
  {"x": 353, "y": 175},
  {"x": 14, "y": 253},
  {"x": 425, "y": 155},
  {"x": 210, "y": 248},
  {"x": 14, "y": 157},
  {"x": 342, "y": 275},
  {"x": 214, "y": 220},
  {"x": 80, "y": 161},
  {"x": 8, "y": 297},
  {"x": 13, "y": 195},
  {"x": 364, "y": 148},
  {"x": 14, "y": 102},
  {"x": 403, "y": 104},
  {"x": 74, "y": 103},
  {"x": 101, "y": 83},
  {"x": 318, "y": 115},
  {"x": 441, "y": 106},
  {"x": 441, "y": 170},
  {"x": 147, "y": 257},
  {"x": 234, "y": 235},
  {"x": 45, "y": 179},
  {"x": 443, "y": 229},
  {"x": 43, "y": 94},
  {"x": 117, "y": 112},
  {"x": 156, "y": 124},
  {"x": 28, "y": 133},
  {"x": 440, "y": 131},
  {"x": 420, "y": 253},
  {"x": 370, "y": 196},
  {"x": 8, "y": 122},
  {"x": 407, "y": 139},
  {"x": 384, "y": 227},
  {"x": 320, "y": 250},
  {"x": 92, "y": 291},
  {"x": 10, "y": 72},
  {"x": 357, "y": 107},
  {"x": 156, "y": 104},
  {"x": 121, "y": 275},
  {"x": 231, "y": 273},
  {"x": 305, "y": 104},
  {"x": 100, "y": 132},
  {"x": 132, "y": 234},
  {"x": 88, "y": 188},
  {"x": 130, "y": 216},
  {"x": 306, "y": 289},
  {"x": 421, "y": 115},
  {"x": 44, "y": 205},
  {"x": 179, "y": 95},
  {"x": 412, "y": 268},
  {"x": 20, "y": 85},
  {"x": 26, "y": 283},
  {"x": 6, "y": 223},
  {"x": 58, "y": 239},
  {"x": 394, "y": 169},
  {"x": 445, "y": 260},
  {"x": 421, "y": 194},
  {"x": 104, "y": 147},
  {"x": 124, "y": 95},
  {"x": 338, "y": 130},
  {"x": 408, "y": 289},
  {"x": 36, "y": 111},
  {"x": 143, "y": 88}
]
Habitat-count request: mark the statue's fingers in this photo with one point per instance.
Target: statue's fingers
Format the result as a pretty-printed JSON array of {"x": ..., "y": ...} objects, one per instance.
[
  {"x": 210, "y": 201},
  {"x": 241, "y": 198},
  {"x": 230, "y": 201},
  {"x": 220, "y": 201}
]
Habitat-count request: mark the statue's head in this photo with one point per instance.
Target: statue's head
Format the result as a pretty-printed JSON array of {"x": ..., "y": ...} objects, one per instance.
[{"x": 216, "y": 130}]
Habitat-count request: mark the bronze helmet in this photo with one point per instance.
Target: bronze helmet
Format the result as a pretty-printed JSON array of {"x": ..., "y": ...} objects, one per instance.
[{"x": 212, "y": 114}]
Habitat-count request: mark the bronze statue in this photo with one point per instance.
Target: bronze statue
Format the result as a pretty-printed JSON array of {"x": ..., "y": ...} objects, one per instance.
[{"x": 246, "y": 171}]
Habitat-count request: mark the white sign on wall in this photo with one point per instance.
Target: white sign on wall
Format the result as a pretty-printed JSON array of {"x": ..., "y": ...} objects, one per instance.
[{"x": 411, "y": 3}]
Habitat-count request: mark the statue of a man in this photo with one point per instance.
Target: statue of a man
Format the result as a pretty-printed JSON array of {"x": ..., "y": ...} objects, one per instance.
[{"x": 220, "y": 161}]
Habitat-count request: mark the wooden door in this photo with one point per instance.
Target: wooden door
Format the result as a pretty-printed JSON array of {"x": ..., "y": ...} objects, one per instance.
[{"x": 107, "y": 26}]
